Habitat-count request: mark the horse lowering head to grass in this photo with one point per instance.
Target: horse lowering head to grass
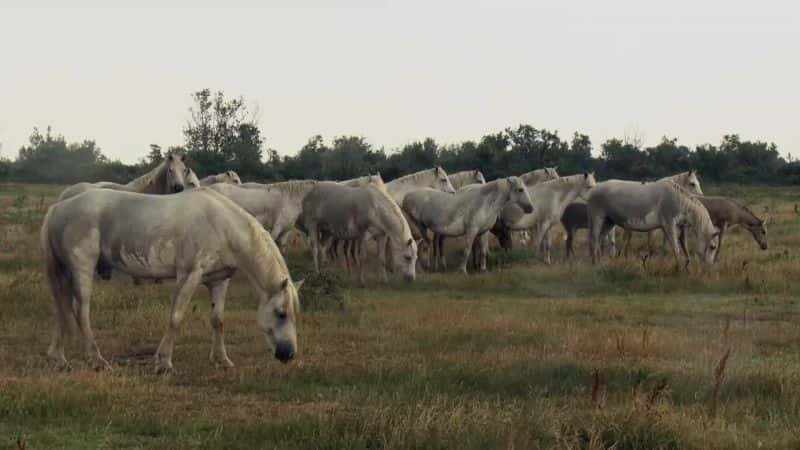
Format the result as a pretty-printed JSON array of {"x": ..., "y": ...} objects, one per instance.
[{"x": 199, "y": 237}]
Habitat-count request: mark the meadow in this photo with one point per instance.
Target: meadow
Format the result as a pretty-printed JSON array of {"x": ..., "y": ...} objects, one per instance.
[{"x": 630, "y": 354}]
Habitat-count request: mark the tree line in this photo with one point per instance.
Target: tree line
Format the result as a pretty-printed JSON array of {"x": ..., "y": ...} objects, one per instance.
[{"x": 223, "y": 134}]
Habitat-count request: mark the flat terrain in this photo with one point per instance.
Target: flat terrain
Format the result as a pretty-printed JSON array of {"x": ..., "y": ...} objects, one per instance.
[{"x": 624, "y": 355}]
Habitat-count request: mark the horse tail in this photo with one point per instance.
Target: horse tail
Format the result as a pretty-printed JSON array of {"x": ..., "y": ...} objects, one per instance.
[{"x": 57, "y": 274}]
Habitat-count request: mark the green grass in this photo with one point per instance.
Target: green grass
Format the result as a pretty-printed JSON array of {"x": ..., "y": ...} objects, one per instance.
[{"x": 499, "y": 360}]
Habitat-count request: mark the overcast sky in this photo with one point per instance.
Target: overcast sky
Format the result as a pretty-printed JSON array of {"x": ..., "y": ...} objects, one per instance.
[{"x": 401, "y": 71}]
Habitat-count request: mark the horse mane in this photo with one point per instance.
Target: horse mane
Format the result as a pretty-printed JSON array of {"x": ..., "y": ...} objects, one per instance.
[
  {"x": 390, "y": 207},
  {"x": 412, "y": 177},
  {"x": 292, "y": 187},
  {"x": 692, "y": 206},
  {"x": 262, "y": 248},
  {"x": 459, "y": 179},
  {"x": 149, "y": 177}
]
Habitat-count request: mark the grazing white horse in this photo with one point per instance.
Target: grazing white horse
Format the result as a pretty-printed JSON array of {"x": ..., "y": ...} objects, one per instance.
[
  {"x": 166, "y": 178},
  {"x": 550, "y": 198},
  {"x": 199, "y": 237},
  {"x": 468, "y": 213},
  {"x": 332, "y": 210},
  {"x": 661, "y": 205},
  {"x": 229, "y": 176}
]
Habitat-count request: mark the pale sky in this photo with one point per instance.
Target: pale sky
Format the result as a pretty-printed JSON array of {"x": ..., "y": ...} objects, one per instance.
[{"x": 401, "y": 71}]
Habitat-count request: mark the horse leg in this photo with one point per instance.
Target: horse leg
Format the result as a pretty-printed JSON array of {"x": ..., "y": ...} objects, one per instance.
[
  {"x": 61, "y": 291},
  {"x": 595, "y": 227},
  {"x": 82, "y": 290},
  {"x": 360, "y": 259},
  {"x": 470, "y": 238},
  {"x": 681, "y": 241},
  {"x": 313, "y": 236},
  {"x": 439, "y": 241},
  {"x": 719, "y": 241},
  {"x": 484, "y": 248},
  {"x": 568, "y": 249},
  {"x": 187, "y": 283},
  {"x": 219, "y": 355},
  {"x": 383, "y": 255},
  {"x": 612, "y": 242},
  {"x": 538, "y": 241},
  {"x": 626, "y": 242},
  {"x": 671, "y": 231}
]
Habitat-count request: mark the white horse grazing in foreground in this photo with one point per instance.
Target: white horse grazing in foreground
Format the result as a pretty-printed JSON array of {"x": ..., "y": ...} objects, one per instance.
[
  {"x": 550, "y": 198},
  {"x": 468, "y": 213},
  {"x": 199, "y": 237},
  {"x": 168, "y": 177},
  {"x": 334, "y": 211},
  {"x": 288, "y": 207},
  {"x": 229, "y": 176},
  {"x": 661, "y": 205}
]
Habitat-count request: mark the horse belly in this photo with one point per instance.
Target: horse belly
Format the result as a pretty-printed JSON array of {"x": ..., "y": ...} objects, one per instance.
[{"x": 153, "y": 261}]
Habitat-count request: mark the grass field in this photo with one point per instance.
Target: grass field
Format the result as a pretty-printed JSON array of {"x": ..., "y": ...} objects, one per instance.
[{"x": 622, "y": 355}]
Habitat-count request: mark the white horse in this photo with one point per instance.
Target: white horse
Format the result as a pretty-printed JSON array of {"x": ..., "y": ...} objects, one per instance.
[
  {"x": 661, "y": 205},
  {"x": 199, "y": 237},
  {"x": 468, "y": 213},
  {"x": 532, "y": 178},
  {"x": 466, "y": 177},
  {"x": 332, "y": 210},
  {"x": 550, "y": 198},
  {"x": 687, "y": 180}
]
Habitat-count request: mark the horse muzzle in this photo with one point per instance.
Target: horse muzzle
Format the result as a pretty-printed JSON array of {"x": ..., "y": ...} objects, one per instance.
[
  {"x": 177, "y": 188},
  {"x": 409, "y": 278},
  {"x": 763, "y": 245},
  {"x": 284, "y": 353},
  {"x": 527, "y": 209}
]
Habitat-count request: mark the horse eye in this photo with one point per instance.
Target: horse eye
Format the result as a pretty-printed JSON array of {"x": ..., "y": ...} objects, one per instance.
[
  {"x": 409, "y": 257},
  {"x": 281, "y": 315},
  {"x": 519, "y": 190}
]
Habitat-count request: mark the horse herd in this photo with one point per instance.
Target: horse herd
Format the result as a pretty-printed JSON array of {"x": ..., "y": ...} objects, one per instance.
[{"x": 209, "y": 229}]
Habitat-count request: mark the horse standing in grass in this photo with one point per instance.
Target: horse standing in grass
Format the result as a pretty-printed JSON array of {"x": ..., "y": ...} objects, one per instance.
[
  {"x": 550, "y": 198},
  {"x": 468, "y": 213},
  {"x": 169, "y": 177},
  {"x": 687, "y": 180},
  {"x": 334, "y": 211},
  {"x": 661, "y": 205},
  {"x": 199, "y": 237}
]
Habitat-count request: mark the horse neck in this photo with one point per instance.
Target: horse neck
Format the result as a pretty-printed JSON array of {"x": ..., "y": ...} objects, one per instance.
[
  {"x": 695, "y": 212},
  {"x": 256, "y": 252},
  {"x": 296, "y": 192},
  {"x": 460, "y": 179},
  {"x": 567, "y": 189},
  {"x": 533, "y": 177},
  {"x": 495, "y": 194},
  {"x": 153, "y": 182},
  {"x": 390, "y": 219},
  {"x": 420, "y": 179},
  {"x": 743, "y": 216}
]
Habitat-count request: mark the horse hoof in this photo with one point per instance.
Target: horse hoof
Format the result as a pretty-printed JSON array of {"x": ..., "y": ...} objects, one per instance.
[
  {"x": 224, "y": 363},
  {"x": 101, "y": 365}
]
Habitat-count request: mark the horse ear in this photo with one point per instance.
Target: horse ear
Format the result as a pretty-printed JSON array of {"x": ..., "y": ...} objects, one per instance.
[
  {"x": 171, "y": 157},
  {"x": 299, "y": 284},
  {"x": 183, "y": 157},
  {"x": 410, "y": 241},
  {"x": 285, "y": 284},
  {"x": 585, "y": 174}
]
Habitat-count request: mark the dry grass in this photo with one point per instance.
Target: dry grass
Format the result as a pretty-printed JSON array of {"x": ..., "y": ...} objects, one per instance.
[{"x": 528, "y": 356}]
